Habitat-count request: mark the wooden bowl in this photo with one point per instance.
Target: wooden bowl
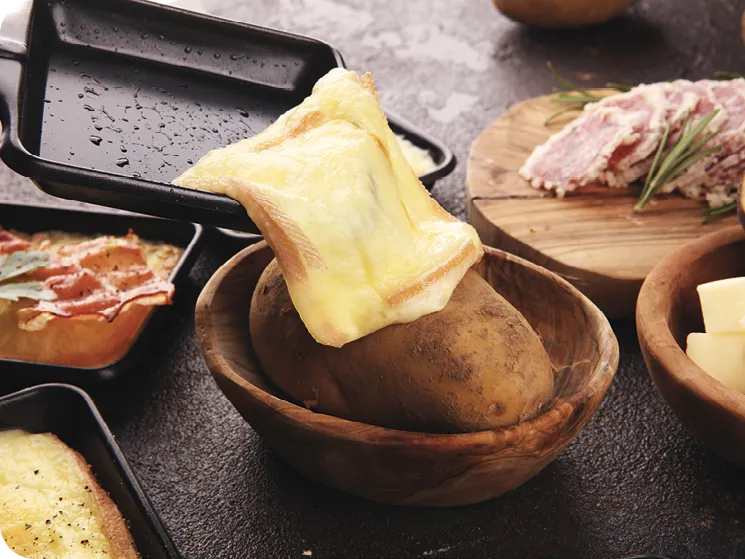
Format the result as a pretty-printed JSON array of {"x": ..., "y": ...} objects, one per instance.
[
  {"x": 401, "y": 467},
  {"x": 667, "y": 311}
]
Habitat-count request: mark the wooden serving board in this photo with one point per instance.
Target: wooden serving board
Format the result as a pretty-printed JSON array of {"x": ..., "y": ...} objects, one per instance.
[{"x": 594, "y": 239}]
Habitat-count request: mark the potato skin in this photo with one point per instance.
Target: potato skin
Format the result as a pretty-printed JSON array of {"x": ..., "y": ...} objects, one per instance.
[{"x": 475, "y": 365}]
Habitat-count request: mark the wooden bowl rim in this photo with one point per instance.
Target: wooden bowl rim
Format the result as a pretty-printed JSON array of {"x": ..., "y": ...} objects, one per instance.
[
  {"x": 653, "y": 309},
  {"x": 547, "y": 424}
]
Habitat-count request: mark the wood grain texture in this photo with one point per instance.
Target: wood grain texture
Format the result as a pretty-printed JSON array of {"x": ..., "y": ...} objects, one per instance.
[
  {"x": 669, "y": 309},
  {"x": 593, "y": 238},
  {"x": 401, "y": 467}
]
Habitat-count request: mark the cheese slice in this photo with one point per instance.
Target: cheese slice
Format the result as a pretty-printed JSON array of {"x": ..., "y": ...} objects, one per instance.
[
  {"x": 723, "y": 305},
  {"x": 419, "y": 158},
  {"x": 359, "y": 240},
  {"x": 720, "y": 355}
]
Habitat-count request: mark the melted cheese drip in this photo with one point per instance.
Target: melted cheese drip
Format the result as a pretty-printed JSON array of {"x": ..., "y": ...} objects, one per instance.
[
  {"x": 419, "y": 159},
  {"x": 359, "y": 240},
  {"x": 49, "y": 513}
]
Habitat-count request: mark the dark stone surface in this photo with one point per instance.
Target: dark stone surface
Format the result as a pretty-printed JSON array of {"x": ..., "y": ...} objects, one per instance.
[{"x": 633, "y": 482}]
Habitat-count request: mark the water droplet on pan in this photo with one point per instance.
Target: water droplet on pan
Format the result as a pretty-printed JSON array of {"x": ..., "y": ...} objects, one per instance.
[
  {"x": 122, "y": 162},
  {"x": 95, "y": 140},
  {"x": 88, "y": 108}
]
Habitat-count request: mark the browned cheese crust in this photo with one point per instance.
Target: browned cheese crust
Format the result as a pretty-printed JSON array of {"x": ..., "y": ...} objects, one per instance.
[{"x": 114, "y": 526}]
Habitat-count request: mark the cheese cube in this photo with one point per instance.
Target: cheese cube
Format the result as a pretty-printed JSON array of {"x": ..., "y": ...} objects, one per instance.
[
  {"x": 723, "y": 305},
  {"x": 720, "y": 355}
]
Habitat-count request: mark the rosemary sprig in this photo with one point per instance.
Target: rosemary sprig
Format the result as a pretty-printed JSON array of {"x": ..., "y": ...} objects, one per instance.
[
  {"x": 685, "y": 152},
  {"x": 618, "y": 86},
  {"x": 19, "y": 263},
  {"x": 574, "y": 96},
  {"x": 728, "y": 75},
  {"x": 714, "y": 213}
]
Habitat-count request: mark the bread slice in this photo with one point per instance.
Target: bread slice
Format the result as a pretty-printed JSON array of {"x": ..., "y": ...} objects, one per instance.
[{"x": 51, "y": 505}]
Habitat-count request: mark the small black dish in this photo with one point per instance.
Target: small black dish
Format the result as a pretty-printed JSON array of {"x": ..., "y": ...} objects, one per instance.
[
  {"x": 71, "y": 415},
  {"x": 38, "y": 218}
]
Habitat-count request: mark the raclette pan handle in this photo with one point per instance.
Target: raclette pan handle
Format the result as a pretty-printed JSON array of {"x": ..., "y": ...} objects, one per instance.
[{"x": 15, "y": 19}]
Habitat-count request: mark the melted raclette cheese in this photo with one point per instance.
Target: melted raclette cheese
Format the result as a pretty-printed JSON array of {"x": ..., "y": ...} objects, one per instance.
[
  {"x": 359, "y": 240},
  {"x": 50, "y": 505},
  {"x": 419, "y": 158}
]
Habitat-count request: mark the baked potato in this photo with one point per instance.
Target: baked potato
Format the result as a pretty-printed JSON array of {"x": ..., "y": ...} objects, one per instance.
[
  {"x": 475, "y": 365},
  {"x": 562, "y": 13}
]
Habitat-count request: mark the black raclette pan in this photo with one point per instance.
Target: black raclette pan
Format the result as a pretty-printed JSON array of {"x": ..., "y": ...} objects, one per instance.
[
  {"x": 70, "y": 414},
  {"x": 39, "y": 218},
  {"x": 107, "y": 101}
]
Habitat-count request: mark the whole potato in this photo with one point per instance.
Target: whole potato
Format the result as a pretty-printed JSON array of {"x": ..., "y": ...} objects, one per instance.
[
  {"x": 562, "y": 13},
  {"x": 475, "y": 365}
]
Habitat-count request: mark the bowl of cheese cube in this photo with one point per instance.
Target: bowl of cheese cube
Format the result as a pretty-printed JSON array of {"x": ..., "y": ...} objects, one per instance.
[{"x": 690, "y": 319}]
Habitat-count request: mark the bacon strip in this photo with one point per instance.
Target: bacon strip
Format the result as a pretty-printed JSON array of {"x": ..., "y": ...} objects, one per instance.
[
  {"x": 92, "y": 279},
  {"x": 11, "y": 243}
]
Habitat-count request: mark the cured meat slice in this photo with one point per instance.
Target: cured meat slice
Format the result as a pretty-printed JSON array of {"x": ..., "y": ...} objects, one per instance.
[
  {"x": 723, "y": 184},
  {"x": 731, "y": 95},
  {"x": 718, "y": 171},
  {"x": 689, "y": 182},
  {"x": 678, "y": 105},
  {"x": 568, "y": 160},
  {"x": 649, "y": 101},
  {"x": 11, "y": 243},
  {"x": 682, "y": 100}
]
